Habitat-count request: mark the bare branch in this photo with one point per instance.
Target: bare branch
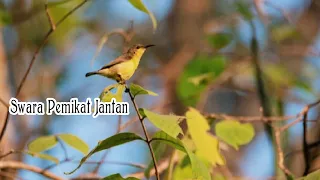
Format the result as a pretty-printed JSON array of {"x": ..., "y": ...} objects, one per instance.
[
  {"x": 50, "y": 19},
  {"x": 4, "y": 103},
  {"x": 7, "y": 154},
  {"x": 126, "y": 34},
  {"x": 252, "y": 118},
  {"x": 305, "y": 145},
  {"x": 20, "y": 165},
  {"x": 281, "y": 165}
]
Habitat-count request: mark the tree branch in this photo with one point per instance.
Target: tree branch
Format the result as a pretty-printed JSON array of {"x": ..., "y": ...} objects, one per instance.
[
  {"x": 20, "y": 165},
  {"x": 280, "y": 153},
  {"x": 148, "y": 140},
  {"x": 4, "y": 103}
]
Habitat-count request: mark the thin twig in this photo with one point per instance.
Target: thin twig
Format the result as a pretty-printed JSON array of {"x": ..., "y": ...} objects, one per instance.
[
  {"x": 284, "y": 13},
  {"x": 280, "y": 153},
  {"x": 305, "y": 145},
  {"x": 302, "y": 116},
  {"x": 140, "y": 166},
  {"x": 119, "y": 123},
  {"x": 145, "y": 132},
  {"x": 252, "y": 118},
  {"x": 126, "y": 34},
  {"x": 4, "y": 103},
  {"x": 35, "y": 55},
  {"x": 129, "y": 122},
  {"x": 50, "y": 19},
  {"x": 96, "y": 170},
  {"x": 7, "y": 154},
  {"x": 20, "y": 165}
]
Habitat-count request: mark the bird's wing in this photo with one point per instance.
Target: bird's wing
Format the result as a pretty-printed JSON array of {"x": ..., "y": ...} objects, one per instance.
[{"x": 118, "y": 60}]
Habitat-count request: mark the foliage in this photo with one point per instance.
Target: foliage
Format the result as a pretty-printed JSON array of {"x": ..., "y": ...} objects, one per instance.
[
  {"x": 159, "y": 149},
  {"x": 199, "y": 169},
  {"x": 106, "y": 95},
  {"x": 42, "y": 156},
  {"x": 244, "y": 10},
  {"x": 234, "y": 133},
  {"x": 198, "y": 144},
  {"x": 138, "y": 90},
  {"x": 207, "y": 146},
  {"x": 168, "y": 123},
  {"x": 45, "y": 143},
  {"x": 110, "y": 142},
  {"x": 312, "y": 176},
  {"x": 75, "y": 142},
  {"x": 198, "y": 74},
  {"x": 140, "y": 6},
  {"x": 219, "y": 40},
  {"x": 42, "y": 143},
  {"x": 118, "y": 177}
]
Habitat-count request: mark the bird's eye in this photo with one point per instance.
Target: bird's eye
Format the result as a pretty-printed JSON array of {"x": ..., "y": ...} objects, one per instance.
[{"x": 138, "y": 47}]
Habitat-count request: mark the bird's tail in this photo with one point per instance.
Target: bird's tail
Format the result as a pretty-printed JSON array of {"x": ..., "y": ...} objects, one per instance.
[{"x": 91, "y": 73}]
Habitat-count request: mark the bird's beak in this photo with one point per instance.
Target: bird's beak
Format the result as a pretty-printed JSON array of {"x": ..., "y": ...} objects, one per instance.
[{"x": 147, "y": 46}]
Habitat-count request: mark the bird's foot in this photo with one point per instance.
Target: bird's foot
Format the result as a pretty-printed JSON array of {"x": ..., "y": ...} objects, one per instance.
[{"x": 122, "y": 82}]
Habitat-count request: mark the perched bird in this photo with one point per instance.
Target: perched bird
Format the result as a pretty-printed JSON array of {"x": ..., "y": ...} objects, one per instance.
[{"x": 124, "y": 66}]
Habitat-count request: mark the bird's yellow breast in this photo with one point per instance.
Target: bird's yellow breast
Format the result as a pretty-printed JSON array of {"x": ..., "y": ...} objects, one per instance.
[{"x": 126, "y": 69}]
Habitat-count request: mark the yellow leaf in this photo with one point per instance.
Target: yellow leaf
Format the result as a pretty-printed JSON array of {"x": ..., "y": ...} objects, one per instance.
[{"x": 207, "y": 146}]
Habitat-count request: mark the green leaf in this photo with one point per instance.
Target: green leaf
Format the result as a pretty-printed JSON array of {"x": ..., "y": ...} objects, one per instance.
[
  {"x": 182, "y": 172},
  {"x": 138, "y": 90},
  {"x": 207, "y": 146},
  {"x": 63, "y": 33},
  {"x": 199, "y": 169},
  {"x": 140, "y": 6},
  {"x": 312, "y": 176},
  {"x": 5, "y": 17},
  {"x": 118, "y": 177},
  {"x": 55, "y": 3},
  {"x": 202, "y": 65},
  {"x": 304, "y": 85},
  {"x": 158, "y": 149},
  {"x": 276, "y": 73},
  {"x": 281, "y": 33},
  {"x": 169, "y": 140},
  {"x": 219, "y": 40},
  {"x": 110, "y": 142},
  {"x": 201, "y": 78},
  {"x": 281, "y": 79},
  {"x": 234, "y": 133},
  {"x": 75, "y": 142},
  {"x": 42, "y": 156},
  {"x": 244, "y": 10},
  {"x": 107, "y": 95},
  {"x": 167, "y": 123},
  {"x": 42, "y": 143}
]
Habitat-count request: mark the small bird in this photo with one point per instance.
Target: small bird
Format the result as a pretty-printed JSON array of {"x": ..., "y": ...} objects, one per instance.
[{"x": 124, "y": 66}]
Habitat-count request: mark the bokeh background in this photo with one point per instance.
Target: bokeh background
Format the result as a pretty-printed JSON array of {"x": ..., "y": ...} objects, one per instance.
[{"x": 188, "y": 31}]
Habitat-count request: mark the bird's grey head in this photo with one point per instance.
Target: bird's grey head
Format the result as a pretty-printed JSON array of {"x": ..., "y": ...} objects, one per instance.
[{"x": 133, "y": 49}]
